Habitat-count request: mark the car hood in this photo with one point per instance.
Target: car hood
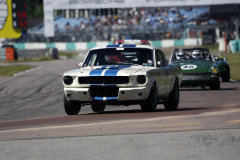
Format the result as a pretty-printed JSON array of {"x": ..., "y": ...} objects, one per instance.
[
  {"x": 121, "y": 70},
  {"x": 195, "y": 67}
]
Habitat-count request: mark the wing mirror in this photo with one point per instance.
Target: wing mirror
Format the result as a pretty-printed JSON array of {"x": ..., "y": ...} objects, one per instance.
[
  {"x": 158, "y": 63},
  {"x": 225, "y": 58},
  {"x": 80, "y": 64}
]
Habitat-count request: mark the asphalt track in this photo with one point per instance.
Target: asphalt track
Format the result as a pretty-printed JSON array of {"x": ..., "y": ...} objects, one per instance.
[{"x": 33, "y": 124}]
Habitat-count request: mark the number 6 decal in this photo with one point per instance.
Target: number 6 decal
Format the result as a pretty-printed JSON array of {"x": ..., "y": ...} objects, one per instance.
[{"x": 188, "y": 67}]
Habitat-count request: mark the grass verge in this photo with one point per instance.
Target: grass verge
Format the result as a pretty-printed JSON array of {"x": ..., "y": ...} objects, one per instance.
[
  {"x": 234, "y": 63},
  {"x": 11, "y": 70},
  {"x": 68, "y": 55}
]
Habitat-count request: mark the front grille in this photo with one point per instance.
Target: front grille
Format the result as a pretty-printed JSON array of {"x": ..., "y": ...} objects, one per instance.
[
  {"x": 104, "y": 91},
  {"x": 104, "y": 80}
]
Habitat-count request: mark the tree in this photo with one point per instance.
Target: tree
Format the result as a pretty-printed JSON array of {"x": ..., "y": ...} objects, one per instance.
[{"x": 35, "y": 8}]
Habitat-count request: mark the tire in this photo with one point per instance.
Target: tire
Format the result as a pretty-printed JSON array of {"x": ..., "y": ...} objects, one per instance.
[
  {"x": 71, "y": 107},
  {"x": 98, "y": 107},
  {"x": 172, "y": 102},
  {"x": 226, "y": 76},
  {"x": 215, "y": 85},
  {"x": 150, "y": 104}
]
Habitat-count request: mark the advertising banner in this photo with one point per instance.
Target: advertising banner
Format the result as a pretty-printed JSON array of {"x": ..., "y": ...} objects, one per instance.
[{"x": 84, "y": 4}]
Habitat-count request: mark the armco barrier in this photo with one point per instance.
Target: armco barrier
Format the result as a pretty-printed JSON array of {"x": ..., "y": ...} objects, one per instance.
[
  {"x": 3, "y": 54},
  {"x": 30, "y": 54},
  {"x": 238, "y": 45},
  {"x": 234, "y": 46},
  {"x": 78, "y": 46}
]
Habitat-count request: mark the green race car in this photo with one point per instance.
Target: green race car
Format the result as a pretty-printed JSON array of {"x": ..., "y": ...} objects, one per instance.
[{"x": 198, "y": 67}]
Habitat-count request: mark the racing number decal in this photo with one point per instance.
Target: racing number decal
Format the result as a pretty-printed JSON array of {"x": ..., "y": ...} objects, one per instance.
[{"x": 188, "y": 67}]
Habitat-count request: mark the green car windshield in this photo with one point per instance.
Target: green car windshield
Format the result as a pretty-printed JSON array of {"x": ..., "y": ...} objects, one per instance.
[
  {"x": 191, "y": 55},
  {"x": 119, "y": 56}
]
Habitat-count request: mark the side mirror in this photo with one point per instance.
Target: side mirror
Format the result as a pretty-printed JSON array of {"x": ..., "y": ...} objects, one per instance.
[
  {"x": 225, "y": 58},
  {"x": 80, "y": 64},
  {"x": 158, "y": 63}
]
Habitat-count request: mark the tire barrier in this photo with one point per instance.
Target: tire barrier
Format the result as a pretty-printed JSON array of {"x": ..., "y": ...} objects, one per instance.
[
  {"x": 11, "y": 54},
  {"x": 8, "y": 54}
]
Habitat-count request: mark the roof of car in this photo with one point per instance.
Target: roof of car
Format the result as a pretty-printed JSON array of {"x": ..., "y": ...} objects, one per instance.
[
  {"x": 124, "y": 46},
  {"x": 132, "y": 41}
]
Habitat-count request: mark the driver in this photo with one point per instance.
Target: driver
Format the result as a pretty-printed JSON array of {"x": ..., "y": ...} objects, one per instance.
[
  {"x": 181, "y": 55},
  {"x": 196, "y": 54}
]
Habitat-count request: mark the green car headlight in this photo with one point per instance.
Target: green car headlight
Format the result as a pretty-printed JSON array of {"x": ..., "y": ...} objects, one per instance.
[{"x": 214, "y": 70}]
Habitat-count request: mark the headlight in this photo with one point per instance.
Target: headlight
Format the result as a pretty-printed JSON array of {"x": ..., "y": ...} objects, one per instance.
[
  {"x": 214, "y": 70},
  {"x": 68, "y": 80},
  {"x": 141, "y": 79}
]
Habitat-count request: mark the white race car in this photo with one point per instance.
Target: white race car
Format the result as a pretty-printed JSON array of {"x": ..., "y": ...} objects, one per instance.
[{"x": 122, "y": 74}]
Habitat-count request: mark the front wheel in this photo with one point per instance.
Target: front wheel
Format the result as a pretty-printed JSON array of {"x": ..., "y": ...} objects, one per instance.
[
  {"x": 98, "y": 107},
  {"x": 71, "y": 107},
  {"x": 150, "y": 104},
  {"x": 215, "y": 85},
  {"x": 226, "y": 76},
  {"x": 171, "y": 103}
]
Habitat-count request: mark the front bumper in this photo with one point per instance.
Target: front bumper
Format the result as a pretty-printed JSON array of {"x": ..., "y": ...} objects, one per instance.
[
  {"x": 197, "y": 80},
  {"x": 123, "y": 94}
]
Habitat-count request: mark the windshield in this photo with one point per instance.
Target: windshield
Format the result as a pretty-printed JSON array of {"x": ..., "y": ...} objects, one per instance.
[
  {"x": 119, "y": 56},
  {"x": 186, "y": 55}
]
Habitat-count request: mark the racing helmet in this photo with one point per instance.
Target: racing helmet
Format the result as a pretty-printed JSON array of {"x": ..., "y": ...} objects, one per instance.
[
  {"x": 181, "y": 55},
  {"x": 207, "y": 55},
  {"x": 196, "y": 54}
]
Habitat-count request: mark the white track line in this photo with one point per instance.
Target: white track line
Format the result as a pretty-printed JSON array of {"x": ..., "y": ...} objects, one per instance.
[
  {"x": 117, "y": 122},
  {"x": 33, "y": 69}
]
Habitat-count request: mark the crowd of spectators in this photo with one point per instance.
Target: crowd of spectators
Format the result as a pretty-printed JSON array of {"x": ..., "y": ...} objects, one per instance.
[
  {"x": 136, "y": 19},
  {"x": 135, "y": 23}
]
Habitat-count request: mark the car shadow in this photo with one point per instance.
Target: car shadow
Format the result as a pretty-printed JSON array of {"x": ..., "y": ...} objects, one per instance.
[
  {"x": 140, "y": 111},
  {"x": 206, "y": 89}
]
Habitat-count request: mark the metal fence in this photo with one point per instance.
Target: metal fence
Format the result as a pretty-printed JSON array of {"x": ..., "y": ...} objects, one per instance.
[{"x": 106, "y": 33}]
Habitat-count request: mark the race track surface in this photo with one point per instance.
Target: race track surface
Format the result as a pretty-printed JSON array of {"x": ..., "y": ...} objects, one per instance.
[{"x": 31, "y": 110}]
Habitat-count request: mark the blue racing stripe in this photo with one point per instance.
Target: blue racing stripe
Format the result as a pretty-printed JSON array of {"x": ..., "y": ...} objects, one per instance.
[
  {"x": 113, "y": 70},
  {"x": 96, "y": 72},
  {"x": 113, "y": 45},
  {"x": 111, "y": 98},
  {"x": 98, "y": 98},
  {"x": 129, "y": 45},
  {"x": 107, "y": 98}
]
